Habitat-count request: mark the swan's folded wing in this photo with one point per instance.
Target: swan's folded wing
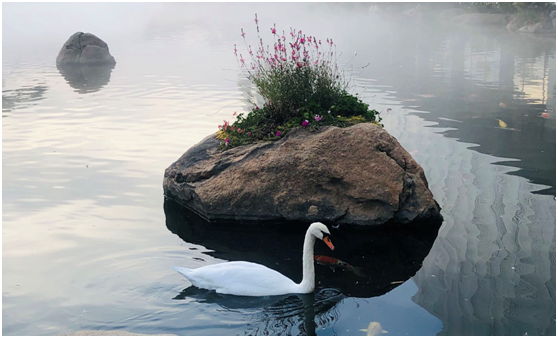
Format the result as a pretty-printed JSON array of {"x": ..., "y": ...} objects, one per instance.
[{"x": 242, "y": 279}]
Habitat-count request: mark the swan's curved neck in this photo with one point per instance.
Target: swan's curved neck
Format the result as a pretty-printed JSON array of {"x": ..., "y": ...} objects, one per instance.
[{"x": 308, "y": 279}]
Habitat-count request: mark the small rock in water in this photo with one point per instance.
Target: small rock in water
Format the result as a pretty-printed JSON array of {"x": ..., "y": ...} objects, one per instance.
[{"x": 84, "y": 48}]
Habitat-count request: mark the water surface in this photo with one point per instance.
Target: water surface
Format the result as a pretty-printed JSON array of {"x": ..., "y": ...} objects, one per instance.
[{"x": 88, "y": 238}]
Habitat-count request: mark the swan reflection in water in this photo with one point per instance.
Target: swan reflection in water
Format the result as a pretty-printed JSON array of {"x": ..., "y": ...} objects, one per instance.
[
  {"x": 275, "y": 315},
  {"x": 384, "y": 257}
]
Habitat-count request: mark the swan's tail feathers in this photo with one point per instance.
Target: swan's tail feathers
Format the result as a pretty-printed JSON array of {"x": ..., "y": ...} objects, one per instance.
[{"x": 183, "y": 271}]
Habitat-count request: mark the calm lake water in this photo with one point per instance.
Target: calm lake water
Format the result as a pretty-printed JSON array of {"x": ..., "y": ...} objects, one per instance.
[{"x": 89, "y": 240}]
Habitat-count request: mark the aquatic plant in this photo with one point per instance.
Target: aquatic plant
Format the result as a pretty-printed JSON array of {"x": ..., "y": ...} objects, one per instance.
[{"x": 301, "y": 84}]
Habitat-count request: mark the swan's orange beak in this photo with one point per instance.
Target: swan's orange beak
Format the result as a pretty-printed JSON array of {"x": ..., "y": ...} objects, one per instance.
[{"x": 328, "y": 242}]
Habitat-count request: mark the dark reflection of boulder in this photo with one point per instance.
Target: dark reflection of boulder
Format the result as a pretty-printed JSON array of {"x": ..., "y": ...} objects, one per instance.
[
  {"x": 86, "y": 78},
  {"x": 381, "y": 258}
]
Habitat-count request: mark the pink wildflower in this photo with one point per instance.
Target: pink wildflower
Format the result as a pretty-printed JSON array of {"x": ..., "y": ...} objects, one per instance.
[
  {"x": 278, "y": 133},
  {"x": 305, "y": 123},
  {"x": 242, "y": 33},
  {"x": 219, "y": 126},
  {"x": 317, "y": 118},
  {"x": 273, "y": 31},
  {"x": 256, "y": 107},
  {"x": 227, "y": 142},
  {"x": 302, "y": 40},
  {"x": 249, "y": 133}
]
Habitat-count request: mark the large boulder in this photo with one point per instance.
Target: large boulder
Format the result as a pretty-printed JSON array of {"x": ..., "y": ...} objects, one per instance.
[
  {"x": 358, "y": 175},
  {"x": 84, "y": 49}
]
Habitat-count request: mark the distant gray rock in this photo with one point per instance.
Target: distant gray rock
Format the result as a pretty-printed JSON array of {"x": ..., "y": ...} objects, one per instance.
[{"x": 84, "y": 49}]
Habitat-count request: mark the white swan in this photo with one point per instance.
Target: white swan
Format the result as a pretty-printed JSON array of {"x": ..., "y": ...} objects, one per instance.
[{"x": 251, "y": 279}]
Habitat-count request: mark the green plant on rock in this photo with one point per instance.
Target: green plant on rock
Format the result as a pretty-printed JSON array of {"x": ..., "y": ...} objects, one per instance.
[{"x": 301, "y": 85}]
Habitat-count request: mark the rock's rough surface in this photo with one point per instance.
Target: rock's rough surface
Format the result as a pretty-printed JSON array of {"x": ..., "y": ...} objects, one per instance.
[
  {"x": 84, "y": 49},
  {"x": 358, "y": 175}
]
